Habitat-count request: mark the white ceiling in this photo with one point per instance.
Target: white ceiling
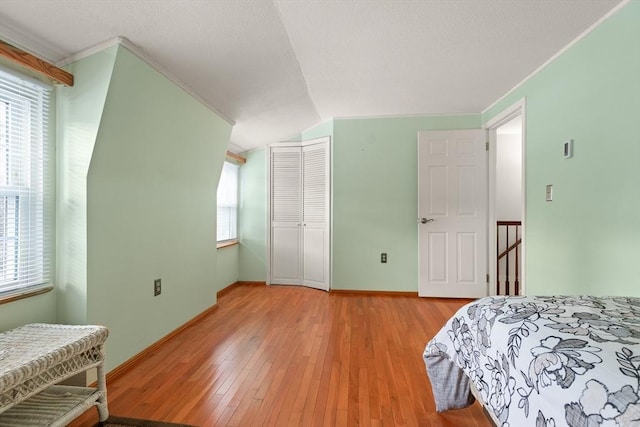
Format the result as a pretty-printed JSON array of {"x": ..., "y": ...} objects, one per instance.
[{"x": 279, "y": 67}]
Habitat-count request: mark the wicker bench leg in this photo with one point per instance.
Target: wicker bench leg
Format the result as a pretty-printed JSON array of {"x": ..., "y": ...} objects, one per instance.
[{"x": 103, "y": 410}]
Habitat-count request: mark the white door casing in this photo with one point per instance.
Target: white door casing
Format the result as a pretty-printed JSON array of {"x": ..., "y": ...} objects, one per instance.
[
  {"x": 516, "y": 109},
  {"x": 452, "y": 213}
]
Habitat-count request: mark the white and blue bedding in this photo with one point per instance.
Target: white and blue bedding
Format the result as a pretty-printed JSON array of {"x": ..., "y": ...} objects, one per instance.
[{"x": 543, "y": 361}]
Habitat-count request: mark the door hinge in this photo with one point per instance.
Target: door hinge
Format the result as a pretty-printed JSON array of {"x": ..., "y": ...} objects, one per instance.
[
  {"x": 487, "y": 277},
  {"x": 486, "y": 146}
]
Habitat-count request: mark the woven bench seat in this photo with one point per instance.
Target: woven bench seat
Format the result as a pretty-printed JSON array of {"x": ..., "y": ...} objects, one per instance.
[{"x": 36, "y": 356}]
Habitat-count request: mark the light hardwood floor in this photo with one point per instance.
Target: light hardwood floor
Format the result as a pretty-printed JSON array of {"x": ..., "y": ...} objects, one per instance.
[{"x": 280, "y": 355}]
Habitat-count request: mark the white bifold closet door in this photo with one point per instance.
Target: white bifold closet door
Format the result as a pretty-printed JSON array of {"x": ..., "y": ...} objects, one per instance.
[{"x": 300, "y": 214}]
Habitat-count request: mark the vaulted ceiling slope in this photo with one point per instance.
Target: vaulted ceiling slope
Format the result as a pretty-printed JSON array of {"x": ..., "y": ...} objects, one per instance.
[{"x": 278, "y": 67}]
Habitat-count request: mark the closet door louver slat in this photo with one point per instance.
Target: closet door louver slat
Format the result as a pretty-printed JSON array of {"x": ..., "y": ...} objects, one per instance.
[
  {"x": 314, "y": 187},
  {"x": 285, "y": 186}
]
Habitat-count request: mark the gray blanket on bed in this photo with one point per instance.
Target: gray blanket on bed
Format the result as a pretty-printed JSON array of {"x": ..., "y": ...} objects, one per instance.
[{"x": 449, "y": 383}]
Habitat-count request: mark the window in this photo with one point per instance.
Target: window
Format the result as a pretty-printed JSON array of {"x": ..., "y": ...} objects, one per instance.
[
  {"x": 228, "y": 203},
  {"x": 25, "y": 255}
]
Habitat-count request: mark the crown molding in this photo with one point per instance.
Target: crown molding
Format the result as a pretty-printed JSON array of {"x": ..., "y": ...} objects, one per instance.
[
  {"x": 89, "y": 51},
  {"x": 42, "y": 50},
  {"x": 402, "y": 116}
]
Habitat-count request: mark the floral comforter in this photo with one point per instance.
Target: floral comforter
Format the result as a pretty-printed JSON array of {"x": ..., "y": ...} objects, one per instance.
[{"x": 543, "y": 361}]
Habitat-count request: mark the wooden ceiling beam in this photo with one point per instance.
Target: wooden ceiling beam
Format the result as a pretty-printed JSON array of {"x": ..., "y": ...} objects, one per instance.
[
  {"x": 24, "y": 59},
  {"x": 237, "y": 157}
]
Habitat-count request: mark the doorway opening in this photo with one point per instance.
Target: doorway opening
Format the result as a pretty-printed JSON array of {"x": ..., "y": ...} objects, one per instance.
[{"x": 506, "y": 203}]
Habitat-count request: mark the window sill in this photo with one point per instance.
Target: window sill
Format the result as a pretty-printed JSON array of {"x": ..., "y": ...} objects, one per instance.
[
  {"x": 227, "y": 243},
  {"x": 18, "y": 295}
]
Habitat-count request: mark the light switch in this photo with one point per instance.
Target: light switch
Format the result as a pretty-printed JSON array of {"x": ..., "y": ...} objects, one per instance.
[
  {"x": 549, "y": 196},
  {"x": 567, "y": 149}
]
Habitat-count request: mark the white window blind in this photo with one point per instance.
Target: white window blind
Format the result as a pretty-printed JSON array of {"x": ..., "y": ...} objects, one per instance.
[
  {"x": 25, "y": 223},
  {"x": 228, "y": 203}
]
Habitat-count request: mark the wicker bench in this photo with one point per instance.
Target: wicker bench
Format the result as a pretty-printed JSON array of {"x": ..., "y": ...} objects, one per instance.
[{"x": 33, "y": 358}]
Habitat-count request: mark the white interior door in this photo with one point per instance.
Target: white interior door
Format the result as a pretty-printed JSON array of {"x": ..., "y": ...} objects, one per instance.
[
  {"x": 452, "y": 213},
  {"x": 315, "y": 215},
  {"x": 286, "y": 216}
]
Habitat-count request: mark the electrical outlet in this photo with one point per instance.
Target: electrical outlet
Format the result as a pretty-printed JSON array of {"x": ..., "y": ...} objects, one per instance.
[
  {"x": 157, "y": 287},
  {"x": 383, "y": 257}
]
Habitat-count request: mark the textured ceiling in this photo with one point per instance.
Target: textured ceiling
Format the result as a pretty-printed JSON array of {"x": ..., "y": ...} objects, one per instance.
[{"x": 279, "y": 67}]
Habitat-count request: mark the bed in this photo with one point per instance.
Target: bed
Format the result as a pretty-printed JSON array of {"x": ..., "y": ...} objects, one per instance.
[{"x": 543, "y": 361}]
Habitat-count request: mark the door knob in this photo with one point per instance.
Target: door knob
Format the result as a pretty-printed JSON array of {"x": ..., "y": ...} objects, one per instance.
[{"x": 426, "y": 220}]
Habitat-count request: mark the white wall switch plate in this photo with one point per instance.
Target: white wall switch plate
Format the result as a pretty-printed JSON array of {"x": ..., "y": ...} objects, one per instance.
[
  {"x": 549, "y": 194},
  {"x": 567, "y": 149}
]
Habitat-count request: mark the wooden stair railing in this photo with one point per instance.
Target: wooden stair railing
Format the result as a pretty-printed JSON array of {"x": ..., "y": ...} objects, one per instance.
[{"x": 509, "y": 245}]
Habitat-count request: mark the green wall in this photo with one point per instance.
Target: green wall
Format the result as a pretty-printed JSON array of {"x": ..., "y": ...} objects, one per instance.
[
  {"x": 79, "y": 112},
  {"x": 138, "y": 165},
  {"x": 228, "y": 271},
  {"x": 151, "y": 196},
  {"x": 252, "y": 219},
  {"x": 587, "y": 239},
  {"x": 374, "y": 201},
  {"x": 375, "y": 187},
  {"x": 37, "y": 309},
  {"x": 323, "y": 129}
]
